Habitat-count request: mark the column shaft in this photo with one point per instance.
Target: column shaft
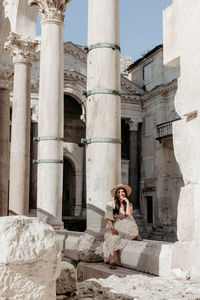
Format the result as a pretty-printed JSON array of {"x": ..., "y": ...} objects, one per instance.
[
  {"x": 133, "y": 169},
  {"x": 20, "y": 141},
  {"x": 4, "y": 149},
  {"x": 51, "y": 114},
  {"x": 103, "y": 159}
]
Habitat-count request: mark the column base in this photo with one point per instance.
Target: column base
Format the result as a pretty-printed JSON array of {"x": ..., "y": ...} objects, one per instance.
[
  {"x": 50, "y": 219},
  {"x": 83, "y": 247}
]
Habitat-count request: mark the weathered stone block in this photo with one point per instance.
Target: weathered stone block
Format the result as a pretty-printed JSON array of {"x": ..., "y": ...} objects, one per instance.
[
  {"x": 67, "y": 281},
  {"x": 29, "y": 259}
]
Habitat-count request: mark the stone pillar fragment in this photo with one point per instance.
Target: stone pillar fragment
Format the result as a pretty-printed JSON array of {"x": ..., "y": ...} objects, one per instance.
[
  {"x": 30, "y": 261},
  {"x": 181, "y": 27},
  {"x": 5, "y": 83},
  {"x": 51, "y": 112},
  {"x": 103, "y": 150},
  {"x": 21, "y": 50},
  {"x": 133, "y": 164}
]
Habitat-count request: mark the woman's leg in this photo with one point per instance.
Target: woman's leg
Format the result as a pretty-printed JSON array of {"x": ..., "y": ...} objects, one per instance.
[{"x": 112, "y": 260}]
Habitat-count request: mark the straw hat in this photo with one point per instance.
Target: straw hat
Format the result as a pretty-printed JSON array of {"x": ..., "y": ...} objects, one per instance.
[{"x": 121, "y": 186}]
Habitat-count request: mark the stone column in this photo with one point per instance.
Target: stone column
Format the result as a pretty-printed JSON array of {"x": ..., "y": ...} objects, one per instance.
[
  {"x": 5, "y": 83},
  {"x": 103, "y": 134},
  {"x": 133, "y": 164},
  {"x": 51, "y": 112},
  {"x": 79, "y": 192},
  {"x": 21, "y": 50}
]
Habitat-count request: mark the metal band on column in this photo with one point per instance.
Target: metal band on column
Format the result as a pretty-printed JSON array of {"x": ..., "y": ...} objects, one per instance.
[
  {"x": 100, "y": 140},
  {"x": 47, "y": 138},
  {"x": 101, "y": 91},
  {"x": 48, "y": 161},
  {"x": 103, "y": 45}
]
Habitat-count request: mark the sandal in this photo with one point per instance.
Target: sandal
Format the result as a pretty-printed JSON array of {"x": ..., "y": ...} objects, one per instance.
[
  {"x": 112, "y": 266},
  {"x": 138, "y": 238}
]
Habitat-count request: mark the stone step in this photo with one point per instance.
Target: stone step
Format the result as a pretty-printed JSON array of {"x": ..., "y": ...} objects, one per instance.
[{"x": 101, "y": 270}]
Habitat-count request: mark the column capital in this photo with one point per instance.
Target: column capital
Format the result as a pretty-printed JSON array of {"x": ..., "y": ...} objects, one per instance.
[
  {"x": 21, "y": 48},
  {"x": 6, "y": 77},
  {"x": 51, "y": 10},
  {"x": 133, "y": 124}
]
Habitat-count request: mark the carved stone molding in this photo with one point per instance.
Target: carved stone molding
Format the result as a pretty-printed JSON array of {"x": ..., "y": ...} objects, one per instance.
[
  {"x": 6, "y": 78},
  {"x": 75, "y": 51},
  {"x": 130, "y": 86},
  {"x": 22, "y": 49},
  {"x": 161, "y": 89},
  {"x": 70, "y": 75},
  {"x": 34, "y": 113},
  {"x": 133, "y": 124},
  {"x": 133, "y": 99},
  {"x": 51, "y": 9}
]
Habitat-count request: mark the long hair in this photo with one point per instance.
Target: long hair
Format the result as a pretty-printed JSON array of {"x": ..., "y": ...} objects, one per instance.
[{"x": 117, "y": 202}]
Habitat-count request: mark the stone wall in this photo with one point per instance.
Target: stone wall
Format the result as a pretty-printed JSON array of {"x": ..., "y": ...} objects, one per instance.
[{"x": 181, "y": 28}]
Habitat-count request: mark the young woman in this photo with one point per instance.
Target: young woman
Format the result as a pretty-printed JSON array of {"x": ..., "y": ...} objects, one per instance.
[{"x": 121, "y": 225}]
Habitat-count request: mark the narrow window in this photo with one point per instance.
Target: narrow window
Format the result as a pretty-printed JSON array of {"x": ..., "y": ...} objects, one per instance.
[{"x": 149, "y": 209}]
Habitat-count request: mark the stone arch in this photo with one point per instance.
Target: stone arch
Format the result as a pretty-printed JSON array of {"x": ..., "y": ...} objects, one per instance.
[
  {"x": 72, "y": 158},
  {"x": 4, "y": 32},
  {"x": 26, "y": 18},
  {"x": 22, "y": 17},
  {"x": 77, "y": 94},
  {"x": 69, "y": 188},
  {"x": 73, "y": 154}
]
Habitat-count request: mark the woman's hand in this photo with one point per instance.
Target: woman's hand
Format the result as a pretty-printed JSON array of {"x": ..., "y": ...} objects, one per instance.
[
  {"x": 114, "y": 231},
  {"x": 126, "y": 200}
]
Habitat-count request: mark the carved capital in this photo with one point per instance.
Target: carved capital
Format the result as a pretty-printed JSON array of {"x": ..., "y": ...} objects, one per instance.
[
  {"x": 133, "y": 124},
  {"x": 6, "y": 78},
  {"x": 21, "y": 48},
  {"x": 51, "y": 10},
  {"x": 34, "y": 113}
]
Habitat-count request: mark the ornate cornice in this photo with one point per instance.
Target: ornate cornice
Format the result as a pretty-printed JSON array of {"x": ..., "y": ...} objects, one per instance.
[
  {"x": 6, "y": 77},
  {"x": 22, "y": 49},
  {"x": 132, "y": 99},
  {"x": 70, "y": 75},
  {"x": 161, "y": 89},
  {"x": 75, "y": 51},
  {"x": 130, "y": 86},
  {"x": 51, "y": 10}
]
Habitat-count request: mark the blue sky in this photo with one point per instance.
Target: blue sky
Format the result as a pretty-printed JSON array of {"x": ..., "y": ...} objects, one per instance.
[{"x": 140, "y": 24}]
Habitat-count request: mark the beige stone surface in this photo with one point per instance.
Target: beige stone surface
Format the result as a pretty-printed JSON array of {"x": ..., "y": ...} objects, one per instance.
[
  {"x": 4, "y": 150},
  {"x": 67, "y": 281},
  {"x": 136, "y": 287},
  {"x": 181, "y": 26},
  {"x": 29, "y": 259},
  {"x": 103, "y": 159},
  {"x": 51, "y": 107}
]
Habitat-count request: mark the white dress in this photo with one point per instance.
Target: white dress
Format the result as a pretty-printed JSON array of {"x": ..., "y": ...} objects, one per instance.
[{"x": 126, "y": 227}]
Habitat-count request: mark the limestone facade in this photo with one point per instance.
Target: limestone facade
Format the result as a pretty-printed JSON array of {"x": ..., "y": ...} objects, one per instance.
[
  {"x": 178, "y": 50},
  {"x": 147, "y": 113},
  {"x": 148, "y": 162},
  {"x": 160, "y": 176}
]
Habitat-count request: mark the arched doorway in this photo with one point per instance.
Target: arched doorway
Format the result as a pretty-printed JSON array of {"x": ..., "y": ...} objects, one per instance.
[
  {"x": 69, "y": 188},
  {"x": 73, "y": 211}
]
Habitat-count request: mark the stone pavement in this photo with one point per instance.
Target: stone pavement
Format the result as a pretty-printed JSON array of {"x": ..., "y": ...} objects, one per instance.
[{"x": 136, "y": 286}]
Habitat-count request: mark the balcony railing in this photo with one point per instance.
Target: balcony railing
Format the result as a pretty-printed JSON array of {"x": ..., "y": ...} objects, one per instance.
[{"x": 164, "y": 130}]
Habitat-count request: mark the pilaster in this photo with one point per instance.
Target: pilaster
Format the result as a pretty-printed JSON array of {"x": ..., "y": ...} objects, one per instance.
[
  {"x": 6, "y": 77},
  {"x": 51, "y": 112},
  {"x": 21, "y": 50},
  {"x": 134, "y": 163}
]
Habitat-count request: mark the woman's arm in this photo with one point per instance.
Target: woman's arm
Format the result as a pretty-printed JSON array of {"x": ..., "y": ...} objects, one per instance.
[
  {"x": 111, "y": 224},
  {"x": 129, "y": 208}
]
